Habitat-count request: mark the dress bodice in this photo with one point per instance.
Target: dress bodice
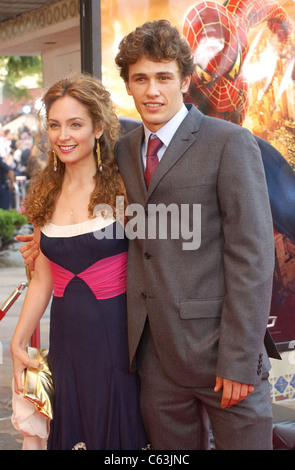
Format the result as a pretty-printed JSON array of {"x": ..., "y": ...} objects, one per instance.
[{"x": 89, "y": 251}]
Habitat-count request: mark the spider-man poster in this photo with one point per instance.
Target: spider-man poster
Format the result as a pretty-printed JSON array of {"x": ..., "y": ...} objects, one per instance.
[{"x": 244, "y": 72}]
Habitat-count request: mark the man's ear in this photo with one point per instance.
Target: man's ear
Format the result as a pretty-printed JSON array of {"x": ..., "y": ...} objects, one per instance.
[
  {"x": 128, "y": 88},
  {"x": 186, "y": 83}
]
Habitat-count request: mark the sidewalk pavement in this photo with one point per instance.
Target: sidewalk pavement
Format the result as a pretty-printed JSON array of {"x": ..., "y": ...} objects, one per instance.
[{"x": 12, "y": 274}]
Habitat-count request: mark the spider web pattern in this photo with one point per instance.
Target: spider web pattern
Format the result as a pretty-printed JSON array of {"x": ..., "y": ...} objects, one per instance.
[{"x": 229, "y": 24}]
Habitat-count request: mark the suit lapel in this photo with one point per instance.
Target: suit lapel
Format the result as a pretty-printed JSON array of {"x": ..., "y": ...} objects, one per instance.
[
  {"x": 133, "y": 175},
  {"x": 138, "y": 164}
]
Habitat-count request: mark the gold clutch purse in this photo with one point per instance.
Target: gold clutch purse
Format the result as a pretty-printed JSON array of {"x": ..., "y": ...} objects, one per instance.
[{"x": 38, "y": 384}]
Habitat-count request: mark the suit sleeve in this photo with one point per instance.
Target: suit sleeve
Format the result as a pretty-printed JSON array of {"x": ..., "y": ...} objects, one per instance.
[{"x": 248, "y": 257}]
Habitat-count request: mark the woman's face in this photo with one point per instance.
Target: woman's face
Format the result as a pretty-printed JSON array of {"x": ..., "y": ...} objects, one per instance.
[{"x": 70, "y": 131}]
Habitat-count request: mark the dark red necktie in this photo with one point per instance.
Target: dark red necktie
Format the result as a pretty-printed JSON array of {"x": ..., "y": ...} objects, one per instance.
[{"x": 152, "y": 160}]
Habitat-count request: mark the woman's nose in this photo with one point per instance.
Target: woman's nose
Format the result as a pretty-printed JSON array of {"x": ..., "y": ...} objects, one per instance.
[{"x": 63, "y": 133}]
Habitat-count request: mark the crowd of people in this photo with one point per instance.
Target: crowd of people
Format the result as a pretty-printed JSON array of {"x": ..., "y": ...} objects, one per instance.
[{"x": 18, "y": 157}]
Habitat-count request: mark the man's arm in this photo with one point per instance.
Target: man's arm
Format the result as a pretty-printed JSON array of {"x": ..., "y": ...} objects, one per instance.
[
  {"x": 232, "y": 202},
  {"x": 248, "y": 257},
  {"x": 29, "y": 251}
]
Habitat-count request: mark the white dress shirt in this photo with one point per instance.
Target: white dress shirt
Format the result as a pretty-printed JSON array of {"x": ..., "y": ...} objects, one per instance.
[{"x": 165, "y": 133}]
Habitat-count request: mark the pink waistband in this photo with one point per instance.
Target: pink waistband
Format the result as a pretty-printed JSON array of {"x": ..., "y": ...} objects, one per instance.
[{"x": 106, "y": 278}]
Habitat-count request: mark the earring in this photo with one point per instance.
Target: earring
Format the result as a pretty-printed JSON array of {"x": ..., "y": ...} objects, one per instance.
[
  {"x": 99, "y": 162},
  {"x": 54, "y": 161}
]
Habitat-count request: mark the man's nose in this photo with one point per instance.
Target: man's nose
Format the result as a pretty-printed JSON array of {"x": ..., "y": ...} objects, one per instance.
[{"x": 153, "y": 89}]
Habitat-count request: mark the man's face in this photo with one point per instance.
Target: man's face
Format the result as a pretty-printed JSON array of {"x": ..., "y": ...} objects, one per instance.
[{"x": 157, "y": 90}]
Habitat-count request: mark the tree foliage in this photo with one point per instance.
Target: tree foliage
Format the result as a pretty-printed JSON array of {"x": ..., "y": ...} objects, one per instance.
[
  {"x": 10, "y": 221},
  {"x": 13, "y": 69}
]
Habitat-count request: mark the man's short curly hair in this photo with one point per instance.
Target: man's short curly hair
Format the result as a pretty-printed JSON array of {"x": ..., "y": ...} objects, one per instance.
[{"x": 158, "y": 41}]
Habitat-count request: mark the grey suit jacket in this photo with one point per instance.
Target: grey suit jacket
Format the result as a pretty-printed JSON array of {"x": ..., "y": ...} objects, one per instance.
[{"x": 207, "y": 307}]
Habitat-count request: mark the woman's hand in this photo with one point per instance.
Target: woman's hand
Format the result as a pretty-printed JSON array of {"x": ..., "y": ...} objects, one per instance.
[{"x": 21, "y": 361}]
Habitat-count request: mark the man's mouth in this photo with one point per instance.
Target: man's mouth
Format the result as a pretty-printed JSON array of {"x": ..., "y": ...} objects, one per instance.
[{"x": 153, "y": 105}]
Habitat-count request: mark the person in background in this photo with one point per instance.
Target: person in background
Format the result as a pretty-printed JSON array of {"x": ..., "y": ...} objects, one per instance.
[
  {"x": 34, "y": 162},
  {"x": 26, "y": 151},
  {"x": 6, "y": 185}
]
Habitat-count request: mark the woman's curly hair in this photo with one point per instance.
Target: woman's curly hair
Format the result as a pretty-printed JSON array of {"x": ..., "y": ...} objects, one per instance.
[{"x": 46, "y": 186}]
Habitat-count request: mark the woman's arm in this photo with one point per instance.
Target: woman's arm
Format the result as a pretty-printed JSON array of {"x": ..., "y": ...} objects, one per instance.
[{"x": 35, "y": 303}]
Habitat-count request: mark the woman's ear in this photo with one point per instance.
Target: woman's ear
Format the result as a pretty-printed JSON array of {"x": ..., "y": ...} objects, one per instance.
[{"x": 99, "y": 134}]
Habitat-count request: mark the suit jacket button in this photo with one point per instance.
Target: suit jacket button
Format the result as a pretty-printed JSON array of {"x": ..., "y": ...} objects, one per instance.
[{"x": 147, "y": 255}]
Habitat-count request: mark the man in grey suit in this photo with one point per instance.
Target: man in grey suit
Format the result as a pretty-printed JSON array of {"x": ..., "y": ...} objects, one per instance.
[{"x": 198, "y": 310}]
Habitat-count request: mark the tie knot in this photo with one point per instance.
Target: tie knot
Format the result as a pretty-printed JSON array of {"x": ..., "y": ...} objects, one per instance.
[{"x": 154, "y": 145}]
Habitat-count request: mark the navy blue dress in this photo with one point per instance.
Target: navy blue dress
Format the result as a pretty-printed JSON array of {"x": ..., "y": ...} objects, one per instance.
[{"x": 96, "y": 397}]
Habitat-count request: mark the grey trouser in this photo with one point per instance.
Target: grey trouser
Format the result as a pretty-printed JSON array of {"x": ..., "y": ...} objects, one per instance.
[{"x": 176, "y": 417}]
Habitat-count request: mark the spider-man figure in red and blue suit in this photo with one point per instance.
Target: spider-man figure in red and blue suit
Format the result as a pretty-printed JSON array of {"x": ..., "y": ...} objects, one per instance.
[{"x": 218, "y": 35}]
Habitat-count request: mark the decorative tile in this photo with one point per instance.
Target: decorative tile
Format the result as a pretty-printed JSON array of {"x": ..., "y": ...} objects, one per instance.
[
  {"x": 282, "y": 378},
  {"x": 281, "y": 384},
  {"x": 40, "y": 19}
]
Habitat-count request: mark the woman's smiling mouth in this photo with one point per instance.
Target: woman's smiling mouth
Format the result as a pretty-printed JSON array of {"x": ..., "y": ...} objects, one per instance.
[{"x": 67, "y": 148}]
